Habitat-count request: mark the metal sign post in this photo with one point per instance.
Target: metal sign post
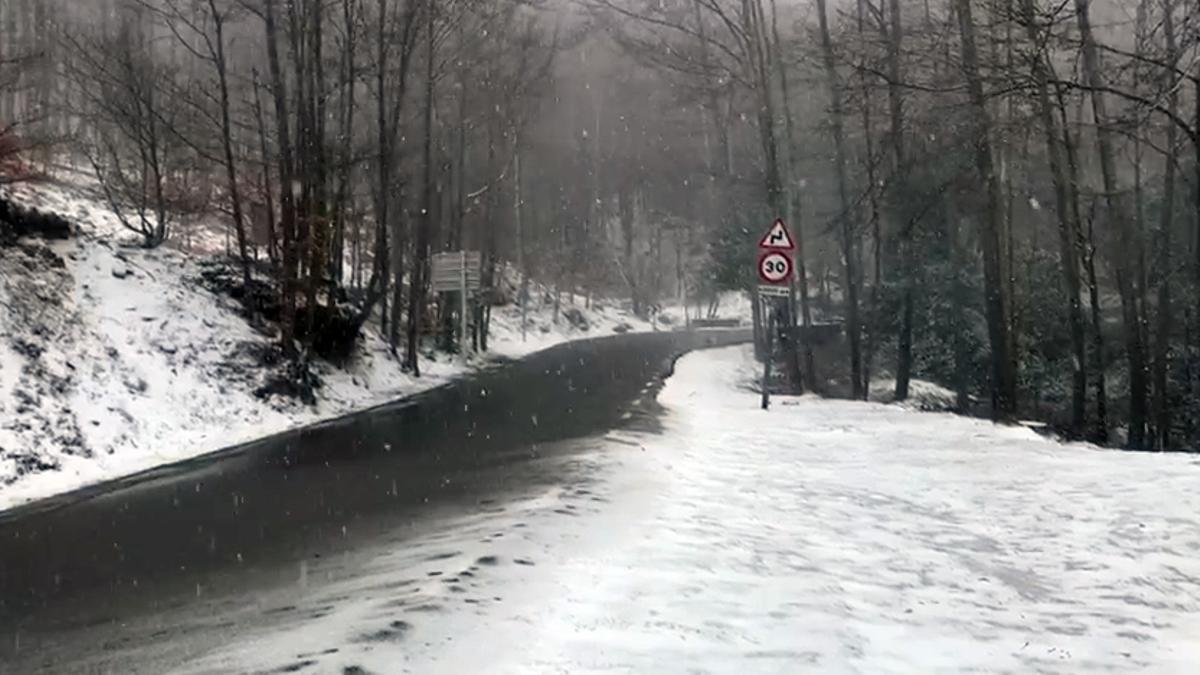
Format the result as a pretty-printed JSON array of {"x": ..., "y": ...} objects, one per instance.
[
  {"x": 766, "y": 378},
  {"x": 776, "y": 270}
]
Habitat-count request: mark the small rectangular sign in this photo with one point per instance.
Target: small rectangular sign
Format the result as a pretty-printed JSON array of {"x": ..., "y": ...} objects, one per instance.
[
  {"x": 773, "y": 291},
  {"x": 455, "y": 258},
  {"x": 450, "y": 270}
]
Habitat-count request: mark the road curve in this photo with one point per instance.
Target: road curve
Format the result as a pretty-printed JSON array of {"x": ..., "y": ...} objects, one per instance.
[{"x": 233, "y": 519}]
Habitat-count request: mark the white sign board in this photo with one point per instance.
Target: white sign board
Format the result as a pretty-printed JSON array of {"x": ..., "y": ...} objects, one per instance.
[
  {"x": 453, "y": 271},
  {"x": 773, "y": 291}
]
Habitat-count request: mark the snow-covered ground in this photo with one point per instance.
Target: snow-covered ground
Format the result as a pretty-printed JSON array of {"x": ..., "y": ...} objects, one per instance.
[
  {"x": 120, "y": 360},
  {"x": 821, "y": 536}
]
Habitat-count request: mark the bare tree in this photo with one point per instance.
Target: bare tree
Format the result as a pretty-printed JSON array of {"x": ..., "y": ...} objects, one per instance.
[
  {"x": 1004, "y": 370},
  {"x": 1120, "y": 219},
  {"x": 395, "y": 43},
  {"x": 204, "y": 25},
  {"x": 286, "y": 164},
  {"x": 849, "y": 238},
  {"x": 1163, "y": 262},
  {"x": 421, "y": 263},
  {"x": 1068, "y": 234},
  {"x": 132, "y": 145},
  {"x": 892, "y": 30}
]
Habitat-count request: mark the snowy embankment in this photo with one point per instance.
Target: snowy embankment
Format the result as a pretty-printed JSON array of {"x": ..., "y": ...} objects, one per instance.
[
  {"x": 114, "y": 359},
  {"x": 821, "y": 536}
]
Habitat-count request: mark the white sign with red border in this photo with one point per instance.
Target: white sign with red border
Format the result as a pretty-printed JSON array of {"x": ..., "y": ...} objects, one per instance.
[
  {"x": 775, "y": 268},
  {"x": 778, "y": 238}
]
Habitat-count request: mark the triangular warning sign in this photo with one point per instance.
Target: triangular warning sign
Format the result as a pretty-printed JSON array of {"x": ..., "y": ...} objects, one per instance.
[{"x": 778, "y": 238}]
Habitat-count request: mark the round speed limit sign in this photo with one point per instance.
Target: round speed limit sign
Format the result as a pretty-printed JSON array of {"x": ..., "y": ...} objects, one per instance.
[{"x": 775, "y": 267}]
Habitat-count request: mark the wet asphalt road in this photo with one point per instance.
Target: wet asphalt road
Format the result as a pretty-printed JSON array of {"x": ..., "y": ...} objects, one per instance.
[{"x": 89, "y": 564}]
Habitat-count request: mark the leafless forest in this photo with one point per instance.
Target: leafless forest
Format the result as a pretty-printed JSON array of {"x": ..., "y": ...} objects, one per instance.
[{"x": 999, "y": 196}]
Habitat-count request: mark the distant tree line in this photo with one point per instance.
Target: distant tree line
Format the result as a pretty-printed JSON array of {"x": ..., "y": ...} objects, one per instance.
[{"x": 999, "y": 195}]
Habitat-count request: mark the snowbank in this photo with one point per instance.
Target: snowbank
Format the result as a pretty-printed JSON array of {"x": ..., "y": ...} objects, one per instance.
[
  {"x": 114, "y": 359},
  {"x": 922, "y": 395}
]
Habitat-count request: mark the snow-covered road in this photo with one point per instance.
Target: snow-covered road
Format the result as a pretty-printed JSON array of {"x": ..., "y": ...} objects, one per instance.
[{"x": 822, "y": 536}]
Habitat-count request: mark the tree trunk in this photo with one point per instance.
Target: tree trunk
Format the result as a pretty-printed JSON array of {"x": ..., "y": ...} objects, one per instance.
[
  {"x": 487, "y": 258},
  {"x": 625, "y": 216},
  {"x": 304, "y": 157},
  {"x": 268, "y": 192},
  {"x": 1138, "y": 255},
  {"x": 1086, "y": 251},
  {"x": 319, "y": 247},
  {"x": 519, "y": 221},
  {"x": 773, "y": 59},
  {"x": 1004, "y": 369},
  {"x": 1196, "y": 206},
  {"x": 999, "y": 14},
  {"x": 389, "y": 226},
  {"x": 960, "y": 295},
  {"x": 8, "y": 29},
  {"x": 874, "y": 320},
  {"x": 454, "y": 230},
  {"x": 720, "y": 160},
  {"x": 766, "y": 110},
  {"x": 846, "y": 228},
  {"x": 1101, "y": 362},
  {"x": 286, "y": 201},
  {"x": 1119, "y": 219},
  {"x": 235, "y": 194},
  {"x": 398, "y": 240},
  {"x": 892, "y": 31},
  {"x": 416, "y": 286},
  {"x": 1163, "y": 262},
  {"x": 1068, "y": 234},
  {"x": 349, "y": 83},
  {"x": 387, "y": 263}
]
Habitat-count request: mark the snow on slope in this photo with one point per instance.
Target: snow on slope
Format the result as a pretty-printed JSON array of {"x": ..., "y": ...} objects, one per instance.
[
  {"x": 822, "y": 536},
  {"x": 119, "y": 360},
  {"x": 922, "y": 395}
]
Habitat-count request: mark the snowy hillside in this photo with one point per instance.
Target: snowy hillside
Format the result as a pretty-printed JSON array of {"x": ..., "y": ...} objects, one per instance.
[
  {"x": 822, "y": 536},
  {"x": 115, "y": 359}
]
